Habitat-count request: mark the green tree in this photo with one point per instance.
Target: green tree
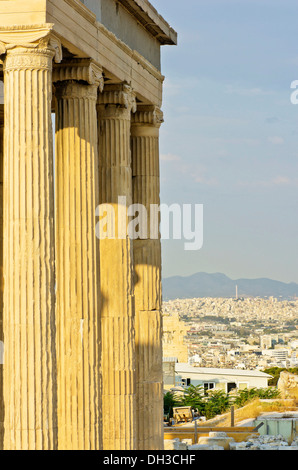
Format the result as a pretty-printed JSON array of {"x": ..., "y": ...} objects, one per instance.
[
  {"x": 276, "y": 371},
  {"x": 169, "y": 402},
  {"x": 194, "y": 397},
  {"x": 218, "y": 403}
]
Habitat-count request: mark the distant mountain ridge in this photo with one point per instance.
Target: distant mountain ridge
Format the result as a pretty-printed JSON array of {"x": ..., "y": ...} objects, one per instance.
[{"x": 219, "y": 285}]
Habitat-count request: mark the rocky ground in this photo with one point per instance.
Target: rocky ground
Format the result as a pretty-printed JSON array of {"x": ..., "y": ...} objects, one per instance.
[{"x": 221, "y": 441}]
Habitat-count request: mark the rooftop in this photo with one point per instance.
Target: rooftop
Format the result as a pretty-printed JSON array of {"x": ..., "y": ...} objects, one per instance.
[
  {"x": 185, "y": 367},
  {"x": 148, "y": 16}
]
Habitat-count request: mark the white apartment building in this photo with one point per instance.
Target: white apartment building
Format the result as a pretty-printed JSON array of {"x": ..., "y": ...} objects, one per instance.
[
  {"x": 278, "y": 354},
  {"x": 219, "y": 379}
]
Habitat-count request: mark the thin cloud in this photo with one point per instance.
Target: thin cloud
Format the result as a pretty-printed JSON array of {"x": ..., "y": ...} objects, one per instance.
[
  {"x": 196, "y": 173},
  {"x": 272, "y": 120},
  {"x": 169, "y": 157},
  {"x": 205, "y": 180},
  {"x": 276, "y": 140},
  {"x": 251, "y": 92},
  {"x": 244, "y": 141},
  {"x": 279, "y": 180}
]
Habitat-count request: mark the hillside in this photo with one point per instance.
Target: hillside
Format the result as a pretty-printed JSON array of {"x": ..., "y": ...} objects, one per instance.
[{"x": 219, "y": 285}]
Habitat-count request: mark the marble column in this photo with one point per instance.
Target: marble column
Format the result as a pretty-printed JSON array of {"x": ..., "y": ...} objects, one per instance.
[
  {"x": 147, "y": 278},
  {"x": 77, "y": 256},
  {"x": 29, "y": 270},
  {"x": 117, "y": 310},
  {"x": 1, "y": 277}
]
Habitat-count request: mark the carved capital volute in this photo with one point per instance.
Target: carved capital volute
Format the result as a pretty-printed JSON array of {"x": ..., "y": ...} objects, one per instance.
[
  {"x": 79, "y": 70},
  {"x": 121, "y": 96},
  {"x": 147, "y": 115},
  {"x": 37, "y": 39}
]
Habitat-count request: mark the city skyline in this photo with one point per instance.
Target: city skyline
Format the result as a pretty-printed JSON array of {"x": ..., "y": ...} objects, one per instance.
[{"x": 230, "y": 135}]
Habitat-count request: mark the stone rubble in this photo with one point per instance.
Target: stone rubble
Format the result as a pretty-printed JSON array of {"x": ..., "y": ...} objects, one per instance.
[
  {"x": 220, "y": 439},
  {"x": 216, "y": 438},
  {"x": 265, "y": 443}
]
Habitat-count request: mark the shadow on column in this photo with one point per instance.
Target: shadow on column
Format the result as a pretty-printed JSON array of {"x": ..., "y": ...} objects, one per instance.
[
  {"x": 147, "y": 283},
  {"x": 77, "y": 266}
]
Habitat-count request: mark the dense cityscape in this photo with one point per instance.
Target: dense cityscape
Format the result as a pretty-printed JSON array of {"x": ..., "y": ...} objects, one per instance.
[{"x": 240, "y": 333}]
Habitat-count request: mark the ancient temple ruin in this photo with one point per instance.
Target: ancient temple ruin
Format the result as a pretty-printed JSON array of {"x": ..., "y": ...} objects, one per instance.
[{"x": 80, "y": 316}]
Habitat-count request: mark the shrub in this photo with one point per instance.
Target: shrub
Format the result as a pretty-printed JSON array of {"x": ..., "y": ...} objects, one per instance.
[
  {"x": 245, "y": 396},
  {"x": 168, "y": 404},
  {"x": 276, "y": 371},
  {"x": 218, "y": 403}
]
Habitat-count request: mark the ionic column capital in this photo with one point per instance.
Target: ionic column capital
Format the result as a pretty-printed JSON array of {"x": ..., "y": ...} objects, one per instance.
[
  {"x": 79, "y": 70},
  {"x": 72, "y": 89},
  {"x": 120, "y": 95},
  {"x": 34, "y": 39},
  {"x": 147, "y": 115},
  {"x": 21, "y": 58},
  {"x": 146, "y": 121}
]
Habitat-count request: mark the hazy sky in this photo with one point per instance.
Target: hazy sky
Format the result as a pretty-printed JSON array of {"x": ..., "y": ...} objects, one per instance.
[{"x": 230, "y": 138}]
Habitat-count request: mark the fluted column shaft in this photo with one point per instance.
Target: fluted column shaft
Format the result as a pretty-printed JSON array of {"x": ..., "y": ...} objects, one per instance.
[
  {"x": 117, "y": 310},
  {"x": 1, "y": 276},
  {"x": 147, "y": 274},
  {"x": 29, "y": 271},
  {"x": 77, "y": 264}
]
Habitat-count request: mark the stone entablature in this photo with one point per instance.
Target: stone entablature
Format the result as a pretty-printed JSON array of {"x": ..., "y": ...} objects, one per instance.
[{"x": 84, "y": 36}]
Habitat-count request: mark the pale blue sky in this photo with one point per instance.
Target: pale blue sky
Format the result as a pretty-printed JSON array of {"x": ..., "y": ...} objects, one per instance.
[{"x": 230, "y": 138}]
